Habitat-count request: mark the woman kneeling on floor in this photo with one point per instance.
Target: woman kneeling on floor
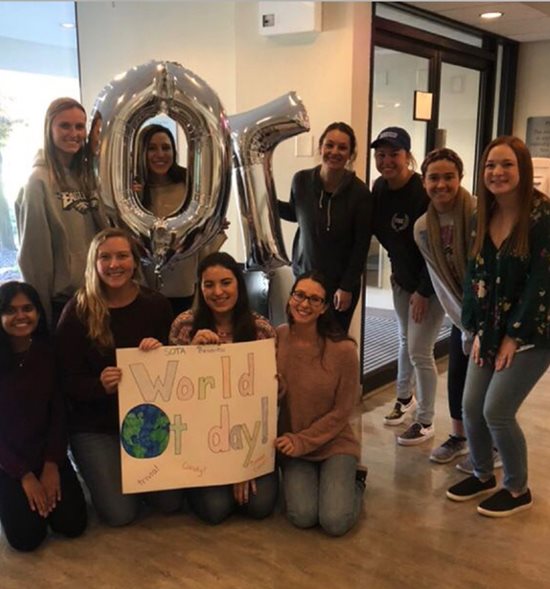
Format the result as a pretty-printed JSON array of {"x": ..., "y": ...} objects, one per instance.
[
  {"x": 38, "y": 486},
  {"x": 319, "y": 375}
]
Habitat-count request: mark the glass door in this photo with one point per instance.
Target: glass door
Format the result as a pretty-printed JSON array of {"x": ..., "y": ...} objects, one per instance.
[{"x": 459, "y": 91}]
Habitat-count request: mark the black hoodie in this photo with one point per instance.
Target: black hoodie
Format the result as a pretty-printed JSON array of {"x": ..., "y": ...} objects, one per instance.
[{"x": 334, "y": 230}]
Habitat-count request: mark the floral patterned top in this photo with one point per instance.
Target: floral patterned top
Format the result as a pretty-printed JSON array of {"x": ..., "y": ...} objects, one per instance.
[
  {"x": 180, "y": 332},
  {"x": 505, "y": 294}
]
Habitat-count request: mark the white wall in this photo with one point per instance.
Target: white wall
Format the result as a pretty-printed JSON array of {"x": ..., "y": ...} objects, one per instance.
[
  {"x": 221, "y": 43},
  {"x": 533, "y": 85}
]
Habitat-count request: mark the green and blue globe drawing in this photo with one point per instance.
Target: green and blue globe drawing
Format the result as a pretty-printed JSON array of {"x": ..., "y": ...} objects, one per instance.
[{"x": 145, "y": 431}]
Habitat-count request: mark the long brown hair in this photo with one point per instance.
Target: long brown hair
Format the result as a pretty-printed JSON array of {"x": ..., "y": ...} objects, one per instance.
[
  {"x": 519, "y": 239},
  {"x": 91, "y": 305},
  {"x": 54, "y": 166}
]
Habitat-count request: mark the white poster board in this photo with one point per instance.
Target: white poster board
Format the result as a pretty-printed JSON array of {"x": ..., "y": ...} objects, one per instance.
[{"x": 196, "y": 415}]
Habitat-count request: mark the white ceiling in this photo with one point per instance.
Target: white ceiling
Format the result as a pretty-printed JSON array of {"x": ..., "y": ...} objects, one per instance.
[
  {"x": 522, "y": 21},
  {"x": 38, "y": 22}
]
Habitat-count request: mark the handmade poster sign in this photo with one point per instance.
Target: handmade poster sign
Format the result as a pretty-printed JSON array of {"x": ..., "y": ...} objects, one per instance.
[{"x": 197, "y": 415}]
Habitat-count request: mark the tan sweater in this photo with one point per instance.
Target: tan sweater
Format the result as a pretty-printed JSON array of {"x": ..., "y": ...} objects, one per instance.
[{"x": 319, "y": 396}]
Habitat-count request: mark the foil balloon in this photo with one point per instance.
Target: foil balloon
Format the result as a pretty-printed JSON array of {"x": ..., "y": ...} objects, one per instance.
[
  {"x": 254, "y": 136},
  {"x": 161, "y": 87}
]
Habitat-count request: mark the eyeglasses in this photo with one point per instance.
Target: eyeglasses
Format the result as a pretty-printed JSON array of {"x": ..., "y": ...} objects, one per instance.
[{"x": 314, "y": 300}]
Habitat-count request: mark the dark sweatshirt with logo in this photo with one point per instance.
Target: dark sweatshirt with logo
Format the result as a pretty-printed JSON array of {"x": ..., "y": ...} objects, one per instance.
[{"x": 395, "y": 213}]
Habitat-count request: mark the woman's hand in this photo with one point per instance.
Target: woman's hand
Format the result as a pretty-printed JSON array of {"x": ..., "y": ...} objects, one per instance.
[
  {"x": 36, "y": 494},
  {"x": 342, "y": 300},
  {"x": 205, "y": 336},
  {"x": 475, "y": 351},
  {"x": 149, "y": 343},
  {"x": 419, "y": 307},
  {"x": 242, "y": 491},
  {"x": 51, "y": 483},
  {"x": 285, "y": 445},
  {"x": 506, "y": 353},
  {"x": 110, "y": 378}
]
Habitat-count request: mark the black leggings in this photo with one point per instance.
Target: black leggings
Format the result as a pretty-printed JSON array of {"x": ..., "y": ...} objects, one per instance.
[
  {"x": 456, "y": 376},
  {"x": 25, "y": 530}
]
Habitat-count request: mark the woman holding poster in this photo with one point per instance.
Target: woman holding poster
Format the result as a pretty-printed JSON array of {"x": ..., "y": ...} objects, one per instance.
[
  {"x": 110, "y": 311},
  {"x": 319, "y": 376},
  {"x": 221, "y": 314}
]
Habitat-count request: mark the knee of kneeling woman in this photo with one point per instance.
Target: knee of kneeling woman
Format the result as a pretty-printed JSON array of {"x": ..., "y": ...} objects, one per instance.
[
  {"x": 336, "y": 524},
  {"x": 303, "y": 519},
  {"x": 27, "y": 544},
  {"x": 118, "y": 520}
]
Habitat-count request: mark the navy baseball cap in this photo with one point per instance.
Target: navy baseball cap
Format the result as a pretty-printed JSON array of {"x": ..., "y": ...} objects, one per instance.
[{"x": 394, "y": 136}]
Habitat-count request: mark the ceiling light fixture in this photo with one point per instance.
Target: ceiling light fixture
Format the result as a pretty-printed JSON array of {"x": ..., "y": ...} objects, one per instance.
[{"x": 491, "y": 15}]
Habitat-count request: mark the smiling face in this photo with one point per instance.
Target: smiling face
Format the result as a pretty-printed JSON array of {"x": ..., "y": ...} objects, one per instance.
[
  {"x": 160, "y": 155},
  {"x": 392, "y": 163},
  {"x": 220, "y": 290},
  {"x": 501, "y": 171},
  {"x": 115, "y": 263},
  {"x": 20, "y": 318},
  {"x": 307, "y": 302},
  {"x": 335, "y": 150},
  {"x": 68, "y": 132},
  {"x": 442, "y": 182}
]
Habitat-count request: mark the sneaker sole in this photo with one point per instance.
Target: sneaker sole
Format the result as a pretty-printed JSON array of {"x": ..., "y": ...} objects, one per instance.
[
  {"x": 488, "y": 513},
  {"x": 449, "y": 459},
  {"x": 461, "y": 498},
  {"x": 415, "y": 442}
]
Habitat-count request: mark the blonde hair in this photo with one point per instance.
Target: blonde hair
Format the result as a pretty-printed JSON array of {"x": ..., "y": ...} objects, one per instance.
[
  {"x": 91, "y": 305},
  {"x": 54, "y": 166},
  {"x": 519, "y": 238}
]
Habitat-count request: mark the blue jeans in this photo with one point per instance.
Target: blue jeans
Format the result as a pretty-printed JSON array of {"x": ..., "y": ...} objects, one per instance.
[
  {"x": 97, "y": 456},
  {"x": 215, "y": 504},
  {"x": 325, "y": 493},
  {"x": 491, "y": 401},
  {"x": 416, "y": 362}
]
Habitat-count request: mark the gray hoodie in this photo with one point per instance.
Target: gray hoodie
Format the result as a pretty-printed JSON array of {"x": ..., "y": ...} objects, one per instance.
[{"x": 55, "y": 231}]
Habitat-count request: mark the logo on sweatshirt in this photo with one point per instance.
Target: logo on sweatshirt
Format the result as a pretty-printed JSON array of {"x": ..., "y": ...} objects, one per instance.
[
  {"x": 78, "y": 201},
  {"x": 400, "y": 221}
]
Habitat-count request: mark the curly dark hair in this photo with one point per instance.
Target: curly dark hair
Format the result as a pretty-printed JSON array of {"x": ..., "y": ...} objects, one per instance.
[{"x": 244, "y": 325}]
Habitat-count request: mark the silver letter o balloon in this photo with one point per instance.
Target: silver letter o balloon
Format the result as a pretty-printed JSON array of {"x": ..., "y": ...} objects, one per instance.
[{"x": 123, "y": 106}]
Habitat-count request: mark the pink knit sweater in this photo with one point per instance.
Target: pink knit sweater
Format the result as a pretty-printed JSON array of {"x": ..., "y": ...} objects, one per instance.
[{"x": 319, "y": 396}]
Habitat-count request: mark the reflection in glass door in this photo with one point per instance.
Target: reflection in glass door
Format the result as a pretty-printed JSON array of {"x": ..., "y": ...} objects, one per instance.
[{"x": 458, "y": 114}]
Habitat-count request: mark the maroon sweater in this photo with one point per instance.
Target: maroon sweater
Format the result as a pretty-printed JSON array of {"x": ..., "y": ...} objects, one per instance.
[
  {"x": 31, "y": 413},
  {"x": 80, "y": 362}
]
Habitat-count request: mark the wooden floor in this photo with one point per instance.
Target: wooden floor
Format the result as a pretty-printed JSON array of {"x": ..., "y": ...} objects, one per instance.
[{"x": 409, "y": 535}]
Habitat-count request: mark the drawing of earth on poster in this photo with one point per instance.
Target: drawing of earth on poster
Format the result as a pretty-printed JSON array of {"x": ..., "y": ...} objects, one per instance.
[{"x": 196, "y": 415}]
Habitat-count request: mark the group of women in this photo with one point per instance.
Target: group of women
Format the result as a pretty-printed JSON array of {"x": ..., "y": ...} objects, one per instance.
[
  {"x": 62, "y": 389},
  {"x": 87, "y": 285}
]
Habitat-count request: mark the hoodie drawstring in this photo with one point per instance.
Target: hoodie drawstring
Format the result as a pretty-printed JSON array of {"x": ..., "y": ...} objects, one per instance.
[{"x": 329, "y": 204}]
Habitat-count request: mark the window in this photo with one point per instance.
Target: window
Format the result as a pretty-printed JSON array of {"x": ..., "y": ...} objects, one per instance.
[{"x": 38, "y": 63}]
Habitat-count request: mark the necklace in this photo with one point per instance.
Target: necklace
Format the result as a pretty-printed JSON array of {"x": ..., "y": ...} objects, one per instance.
[{"x": 21, "y": 356}]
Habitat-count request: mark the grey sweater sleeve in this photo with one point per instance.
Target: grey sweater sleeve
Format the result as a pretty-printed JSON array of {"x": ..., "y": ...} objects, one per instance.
[{"x": 35, "y": 253}]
